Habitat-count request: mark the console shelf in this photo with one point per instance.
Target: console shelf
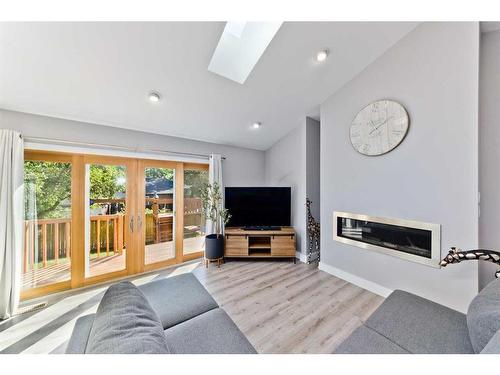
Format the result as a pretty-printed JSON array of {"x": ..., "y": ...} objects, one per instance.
[
  {"x": 259, "y": 246},
  {"x": 240, "y": 243}
]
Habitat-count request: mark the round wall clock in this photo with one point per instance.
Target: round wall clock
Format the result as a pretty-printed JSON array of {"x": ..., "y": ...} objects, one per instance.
[{"x": 379, "y": 127}]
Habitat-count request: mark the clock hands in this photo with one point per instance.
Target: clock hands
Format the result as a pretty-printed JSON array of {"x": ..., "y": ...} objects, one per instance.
[{"x": 376, "y": 127}]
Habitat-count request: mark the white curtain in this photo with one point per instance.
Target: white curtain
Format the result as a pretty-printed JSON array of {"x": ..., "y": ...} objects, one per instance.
[
  {"x": 11, "y": 220},
  {"x": 215, "y": 176}
]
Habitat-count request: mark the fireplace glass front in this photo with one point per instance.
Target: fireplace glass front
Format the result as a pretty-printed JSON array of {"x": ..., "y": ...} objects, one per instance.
[{"x": 404, "y": 239}]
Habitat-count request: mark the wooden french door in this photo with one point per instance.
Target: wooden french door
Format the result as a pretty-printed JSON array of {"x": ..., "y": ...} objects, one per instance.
[
  {"x": 93, "y": 218},
  {"x": 193, "y": 224},
  {"x": 172, "y": 227},
  {"x": 110, "y": 224},
  {"x": 50, "y": 205},
  {"x": 159, "y": 202}
]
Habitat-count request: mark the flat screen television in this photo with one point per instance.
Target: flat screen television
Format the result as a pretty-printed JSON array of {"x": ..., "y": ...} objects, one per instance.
[{"x": 258, "y": 207}]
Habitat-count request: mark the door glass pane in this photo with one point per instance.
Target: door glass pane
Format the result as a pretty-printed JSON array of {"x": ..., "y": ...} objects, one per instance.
[
  {"x": 105, "y": 224},
  {"x": 194, "y": 222},
  {"x": 47, "y": 223},
  {"x": 159, "y": 214}
]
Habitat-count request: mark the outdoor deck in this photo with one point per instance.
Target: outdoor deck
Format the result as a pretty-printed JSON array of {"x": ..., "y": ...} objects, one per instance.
[
  {"x": 57, "y": 272},
  {"x": 47, "y": 249}
]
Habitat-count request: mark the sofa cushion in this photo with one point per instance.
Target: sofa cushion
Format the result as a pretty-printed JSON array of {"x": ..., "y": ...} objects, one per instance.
[
  {"x": 483, "y": 316},
  {"x": 80, "y": 335},
  {"x": 210, "y": 333},
  {"x": 366, "y": 341},
  {"x": 178, "y": 298},
  {"x": 421, "y": 326},
  {"x": 493, "y": 346},
  {"x": 125, "y": 323}
]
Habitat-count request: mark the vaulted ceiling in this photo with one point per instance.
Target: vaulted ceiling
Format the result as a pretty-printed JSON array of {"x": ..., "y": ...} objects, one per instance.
[{"x": 103, "y": 72}]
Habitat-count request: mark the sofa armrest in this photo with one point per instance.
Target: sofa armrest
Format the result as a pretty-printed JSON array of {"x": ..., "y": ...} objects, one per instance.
[{"x": 80, "y": 335}]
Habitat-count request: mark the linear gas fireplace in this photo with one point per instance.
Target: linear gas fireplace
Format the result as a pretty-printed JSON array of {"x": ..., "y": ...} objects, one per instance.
[{"x": 411, "y": 240}]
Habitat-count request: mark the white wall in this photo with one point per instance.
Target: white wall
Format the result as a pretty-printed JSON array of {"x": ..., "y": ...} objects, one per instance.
[
  {"x": 430, "y": 177},
  {"x": 489, "y": 154},
  {"x": 242, "y": 167},
  {"x": 285, "y": 165}
]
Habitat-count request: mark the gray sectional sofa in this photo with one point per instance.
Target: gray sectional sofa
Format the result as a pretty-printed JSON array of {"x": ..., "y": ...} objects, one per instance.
[
  {"x": 406, "y": 323},
  {"x": 175, "y": 315}
]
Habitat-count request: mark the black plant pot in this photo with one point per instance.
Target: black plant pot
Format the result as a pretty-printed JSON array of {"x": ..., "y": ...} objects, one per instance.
[{"x": 214, "y": 246}]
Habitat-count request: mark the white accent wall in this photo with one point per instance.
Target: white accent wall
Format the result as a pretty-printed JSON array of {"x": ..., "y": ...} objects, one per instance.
[
  {"x": 242, "y": 167},
  {"x": 432, "y": 176}
]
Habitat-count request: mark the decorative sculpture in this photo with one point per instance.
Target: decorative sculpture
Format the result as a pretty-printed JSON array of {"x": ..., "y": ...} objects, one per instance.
[
  {"x": 456, "y": 256},
  {"x": 313, "y": 235}
]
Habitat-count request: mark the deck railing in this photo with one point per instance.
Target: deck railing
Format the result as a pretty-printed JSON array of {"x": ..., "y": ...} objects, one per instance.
[
  {"x": 49, "y": 240},
  {"x": 42, "y": 235},
  {"x": 109, "y": 236}
]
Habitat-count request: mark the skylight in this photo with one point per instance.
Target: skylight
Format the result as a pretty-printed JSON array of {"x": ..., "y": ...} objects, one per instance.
[{"x": 240, "y": 47}]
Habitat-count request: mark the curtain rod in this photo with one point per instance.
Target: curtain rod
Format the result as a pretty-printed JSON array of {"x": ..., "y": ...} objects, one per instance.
[{"x": 116, "y": 147}]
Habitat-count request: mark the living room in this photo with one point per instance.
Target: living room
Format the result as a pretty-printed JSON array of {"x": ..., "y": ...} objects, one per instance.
[{"x": 197, "y": 186}]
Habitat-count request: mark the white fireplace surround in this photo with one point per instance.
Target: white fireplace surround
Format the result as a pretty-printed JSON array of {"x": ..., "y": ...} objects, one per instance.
[{"x": 435, "y": 230}]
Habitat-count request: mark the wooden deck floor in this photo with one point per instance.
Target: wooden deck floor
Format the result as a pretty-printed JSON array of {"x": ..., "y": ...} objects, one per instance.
[{"x": 105, "y": 264}]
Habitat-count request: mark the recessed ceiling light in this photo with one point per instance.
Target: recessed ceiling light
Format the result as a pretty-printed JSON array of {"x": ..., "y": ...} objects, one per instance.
[
  {"x": 154, "y": 97},
  {"x": 322, "y": 55},
  {"x": 256, "y": 125}
]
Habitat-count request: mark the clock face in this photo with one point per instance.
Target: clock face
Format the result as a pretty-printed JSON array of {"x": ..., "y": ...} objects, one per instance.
[{"x": 379, "y": 127}]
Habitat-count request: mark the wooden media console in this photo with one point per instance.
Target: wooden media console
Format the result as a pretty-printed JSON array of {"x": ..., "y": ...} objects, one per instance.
[{"x": 240, "y": 243}]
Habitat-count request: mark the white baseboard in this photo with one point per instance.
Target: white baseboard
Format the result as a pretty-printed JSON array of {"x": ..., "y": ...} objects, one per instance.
[
  {"x": 356, "y": 280},
  {"x": 301, "y": 256}
]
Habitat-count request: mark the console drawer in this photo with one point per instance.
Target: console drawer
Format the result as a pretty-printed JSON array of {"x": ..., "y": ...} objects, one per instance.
[
  {"x": 236, "y": 246},
  {"x": 283, "y": 246}
]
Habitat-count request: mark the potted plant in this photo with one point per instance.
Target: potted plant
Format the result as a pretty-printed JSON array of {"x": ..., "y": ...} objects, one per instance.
[{"x": 213, "y": 211}]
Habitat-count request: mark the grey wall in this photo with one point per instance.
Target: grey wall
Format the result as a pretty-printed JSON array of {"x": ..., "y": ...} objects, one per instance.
[
  {"x": 489, "y": 151},
  {"x": 243, "y": 167},
  {"x": 285, "y": 165},
  {"x": 294, "y": 161},
  {"x": 430, "y": 177},
  {"x": 313, "y": 151}
]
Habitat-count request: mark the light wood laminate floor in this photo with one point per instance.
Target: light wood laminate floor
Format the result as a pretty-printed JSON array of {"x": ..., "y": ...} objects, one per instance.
[
  {"x": 289, "y": 308},
  {"x": 281, "y": 307}
]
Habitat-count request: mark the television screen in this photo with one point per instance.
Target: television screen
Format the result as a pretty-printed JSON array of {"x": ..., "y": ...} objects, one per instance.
[{"x": 258, "y": 206}]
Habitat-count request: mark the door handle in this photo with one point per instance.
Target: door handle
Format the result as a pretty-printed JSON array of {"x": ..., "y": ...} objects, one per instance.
[
  {"x": 131, "y": 224},
  {"x": 139, "y": 222}
]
